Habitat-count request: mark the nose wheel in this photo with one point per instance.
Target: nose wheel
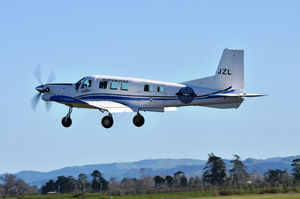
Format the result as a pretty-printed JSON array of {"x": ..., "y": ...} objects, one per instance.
[
  {"x": 107, "y": 121},
  {"x": 138, "y": 120},
  {"x": 67, "y": 121}
]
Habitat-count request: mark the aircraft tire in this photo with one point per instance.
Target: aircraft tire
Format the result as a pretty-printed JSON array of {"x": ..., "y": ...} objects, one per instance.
[
  {"x": 66, "y": 122},
  {"x": 107, "y": 122},
  {"x": 138, "y": 120}
]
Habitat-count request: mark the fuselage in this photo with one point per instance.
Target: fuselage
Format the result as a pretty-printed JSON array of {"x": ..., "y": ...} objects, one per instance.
[{"x": 140, "y": 94}]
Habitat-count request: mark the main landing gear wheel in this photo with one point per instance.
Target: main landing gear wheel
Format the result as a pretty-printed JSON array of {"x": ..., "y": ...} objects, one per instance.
[
  {"x": 138, "y": 120},
  {"x": 107, "y": 121},
  {"x": 66, "y": 122}
]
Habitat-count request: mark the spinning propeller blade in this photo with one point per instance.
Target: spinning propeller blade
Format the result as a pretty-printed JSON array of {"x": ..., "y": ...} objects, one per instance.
[
  {"x": 38, "y": 74},
  {"x": 48, "y": 105},
  {"x": 36, "y": 98},
  {"x": 51, "y": 77}
]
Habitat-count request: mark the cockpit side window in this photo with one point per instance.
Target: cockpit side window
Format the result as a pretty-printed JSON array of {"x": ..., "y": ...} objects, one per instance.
[{"x": 86, "y": 84}]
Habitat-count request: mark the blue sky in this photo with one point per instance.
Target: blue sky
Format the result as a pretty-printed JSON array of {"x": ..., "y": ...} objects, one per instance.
[{"x": 164, "y": 40}]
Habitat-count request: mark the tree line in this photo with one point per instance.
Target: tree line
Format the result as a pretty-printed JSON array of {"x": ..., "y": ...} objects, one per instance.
[
  {"x": 10, "y": 185},
  {"x": 214, "y": 176},
  {"x": 70, "y": 185}
]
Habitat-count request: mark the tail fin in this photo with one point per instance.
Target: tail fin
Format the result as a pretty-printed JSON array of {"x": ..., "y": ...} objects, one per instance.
[{"x": 230, "y": 72}]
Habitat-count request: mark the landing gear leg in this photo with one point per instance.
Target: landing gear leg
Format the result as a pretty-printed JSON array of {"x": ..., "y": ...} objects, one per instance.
[
  {"x": 67, "y": 121},
  {"x": 107, "y": 121},
  {"x": 138, "y": 120}
]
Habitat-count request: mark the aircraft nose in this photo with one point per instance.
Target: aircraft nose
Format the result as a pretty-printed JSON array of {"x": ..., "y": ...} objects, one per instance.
[
  {"x": 39, "y": 88},
  {"x": 42, "y": 88}
]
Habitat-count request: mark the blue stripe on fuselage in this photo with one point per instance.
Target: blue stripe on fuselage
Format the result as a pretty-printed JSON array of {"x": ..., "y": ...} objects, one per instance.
[{"x": 67, "y": 99}]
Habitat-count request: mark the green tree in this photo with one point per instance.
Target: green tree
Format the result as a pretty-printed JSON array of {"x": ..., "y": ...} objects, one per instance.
[
  {"x": 169, "y": 180},
  {"x": 275, "y": 176},
  {"x": 180, "y": 179},
  {"x": 48, "y": 187},
  {"x": 238, "y": 173},
  {"x": 83, "y": 182},
  {"x": 158, "y": 181},
  {"x": 65, "y": 185},
  {"x": 296, "y": 169},
  {"x": 98, "y": 183},
  {"x": 214, "y": 170}
]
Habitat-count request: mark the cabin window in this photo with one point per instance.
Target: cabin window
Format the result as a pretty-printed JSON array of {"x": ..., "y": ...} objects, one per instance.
[
  {"x": 160, "y": 89},
  {"x": 114, "y": 85},
  {"x": 124, "y": 86},
  {"x": 103, "y": 84},
  {"x": 86, "y": 84},
  {"x": 148, "y": 88}
]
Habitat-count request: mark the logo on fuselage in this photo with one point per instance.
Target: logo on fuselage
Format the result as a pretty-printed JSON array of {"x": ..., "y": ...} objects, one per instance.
[{"x": 186, "y": 95}]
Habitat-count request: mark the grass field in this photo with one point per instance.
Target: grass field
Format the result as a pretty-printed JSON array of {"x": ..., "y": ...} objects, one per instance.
[{"x": 167, "y": 196}]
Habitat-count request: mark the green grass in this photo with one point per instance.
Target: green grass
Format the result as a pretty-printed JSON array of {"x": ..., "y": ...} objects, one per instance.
[{"x": 168, "y": 196}]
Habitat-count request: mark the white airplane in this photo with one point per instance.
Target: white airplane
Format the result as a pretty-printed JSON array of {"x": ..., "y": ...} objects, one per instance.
[{"x": 122, "y": 94}]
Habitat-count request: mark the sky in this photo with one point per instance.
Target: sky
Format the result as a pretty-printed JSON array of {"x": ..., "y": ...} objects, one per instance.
[{"x": 167, "y": 40}]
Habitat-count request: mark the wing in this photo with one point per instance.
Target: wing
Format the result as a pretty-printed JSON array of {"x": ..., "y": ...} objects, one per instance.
[
  {"x": 110, "y": 106},
  {"x": 115, "y": 107}
]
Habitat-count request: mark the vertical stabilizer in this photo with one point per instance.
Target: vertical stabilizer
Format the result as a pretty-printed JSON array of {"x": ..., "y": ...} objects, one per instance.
[{"x": 230, "y": 73}]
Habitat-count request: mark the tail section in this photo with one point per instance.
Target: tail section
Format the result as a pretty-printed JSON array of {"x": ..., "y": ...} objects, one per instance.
[{"x": 230, "y": 72}]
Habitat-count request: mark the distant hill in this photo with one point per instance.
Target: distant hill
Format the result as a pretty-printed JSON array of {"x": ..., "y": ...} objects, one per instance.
[{"x": 190, "y": 167}]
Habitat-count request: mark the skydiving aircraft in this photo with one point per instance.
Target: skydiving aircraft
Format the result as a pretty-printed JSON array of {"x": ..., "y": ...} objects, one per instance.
[{"x": 113, "y": 94}]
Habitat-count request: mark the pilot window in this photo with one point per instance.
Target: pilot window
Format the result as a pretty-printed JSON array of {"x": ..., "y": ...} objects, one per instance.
[
  {"x": 124, "y": 86},
  {"x": 78, "y": 84},
  {"x": 103, "y": 84},
  {"x": 86, "y": 84},
  {"x": 148, "y": 88},
  {"x": 114, "y": 85},
  {"x": 160, "y": 89}
]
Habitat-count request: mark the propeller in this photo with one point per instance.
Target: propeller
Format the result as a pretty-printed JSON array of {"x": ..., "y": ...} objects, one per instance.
[
  {"x": 42, "y": 88},
  {"x": 35, "y": 100}
]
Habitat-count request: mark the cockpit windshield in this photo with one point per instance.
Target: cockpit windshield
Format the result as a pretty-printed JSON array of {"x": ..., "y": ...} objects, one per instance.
[{"x": 77, "y": 85}]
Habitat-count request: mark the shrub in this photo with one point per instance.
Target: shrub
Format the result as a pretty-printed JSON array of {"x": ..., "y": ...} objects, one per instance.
[
  {"x": 268, "y": 191},
  {"x": 225, "y": 192}
]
